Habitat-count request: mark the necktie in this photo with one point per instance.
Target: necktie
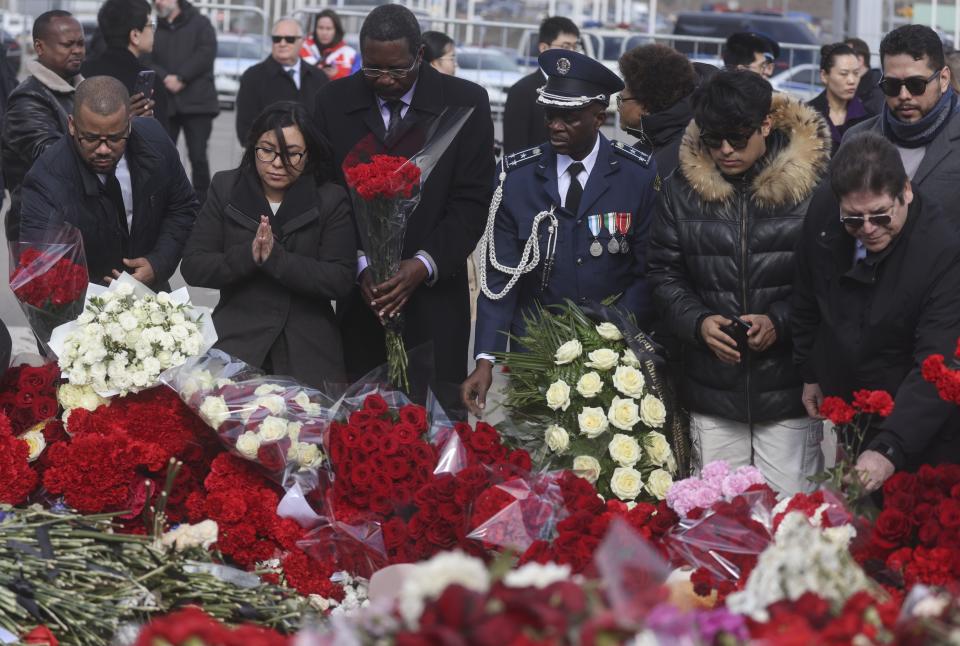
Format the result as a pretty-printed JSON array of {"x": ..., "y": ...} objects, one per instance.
[
  {"x": 575, "y": 192},
  {"x": 396, "y": 116},
  {"x": 111, "y": 188}
]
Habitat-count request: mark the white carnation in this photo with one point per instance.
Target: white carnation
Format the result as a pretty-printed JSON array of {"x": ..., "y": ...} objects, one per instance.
[{"x": 536, "y": 575}]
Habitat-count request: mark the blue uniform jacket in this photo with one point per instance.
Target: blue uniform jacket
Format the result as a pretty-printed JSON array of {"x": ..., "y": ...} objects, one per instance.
[{"x": 624, "y": 180}]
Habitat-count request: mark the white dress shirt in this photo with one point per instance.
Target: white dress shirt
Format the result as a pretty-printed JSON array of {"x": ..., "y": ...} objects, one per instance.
[
  {"x": 563, "y": 177},
  {"x": 126, "y": 188},
  {"x": 295, "y": 68}
]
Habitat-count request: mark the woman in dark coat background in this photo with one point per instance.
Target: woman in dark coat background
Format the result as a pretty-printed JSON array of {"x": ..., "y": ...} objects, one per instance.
[
  {"x": 275, "y": 237},
  {"x": 655, "y": 106},
  {"x": 838, "y": 103}
]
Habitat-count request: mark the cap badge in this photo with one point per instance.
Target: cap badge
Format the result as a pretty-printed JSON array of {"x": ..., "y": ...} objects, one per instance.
[{"x": 563, "y": 66}]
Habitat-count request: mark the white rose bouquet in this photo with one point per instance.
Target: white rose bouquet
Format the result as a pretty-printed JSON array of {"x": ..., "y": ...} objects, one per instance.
[
  {"x": 587, "y": 404},
  {"x": 127, "y": 335},
  {"x": 273, "y": 421}
]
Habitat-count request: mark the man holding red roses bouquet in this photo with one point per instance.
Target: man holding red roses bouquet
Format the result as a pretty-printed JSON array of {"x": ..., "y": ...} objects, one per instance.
[
  {"x": 393, "y": 101},
  {"x": 877, "y": 291}
]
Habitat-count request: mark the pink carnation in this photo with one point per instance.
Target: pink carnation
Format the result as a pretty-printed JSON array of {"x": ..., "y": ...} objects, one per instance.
[
  {"x": 716, "y": 470},
  {"x": 741, "y": 480},
  {"x": 716, "y": 482}
]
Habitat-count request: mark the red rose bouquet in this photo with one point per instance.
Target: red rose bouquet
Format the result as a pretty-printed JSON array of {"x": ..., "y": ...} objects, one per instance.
[
  {"x": 49, "y": 279},
  {"x": 386, "y": 189},
  {"x": 28, "y": 395}
]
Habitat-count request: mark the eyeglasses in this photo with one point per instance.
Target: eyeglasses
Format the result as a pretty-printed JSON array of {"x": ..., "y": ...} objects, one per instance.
[
  {"x": 856, "y": 222},
  {"x": 737, "y": 140},
  {"x": 916, "y": 85},
  {"x": 94, "y": 141},
  {"x": 621, "y": 100},
  {"x": 375, "y": 73},
  {"x": 268, "y": 155},
  {"x": 287, "y": 39}
]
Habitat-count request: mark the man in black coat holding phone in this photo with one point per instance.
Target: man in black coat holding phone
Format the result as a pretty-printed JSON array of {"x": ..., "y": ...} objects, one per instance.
[
  {"x": 127, "y": 28},
  {"x": 393, "y": 100}
]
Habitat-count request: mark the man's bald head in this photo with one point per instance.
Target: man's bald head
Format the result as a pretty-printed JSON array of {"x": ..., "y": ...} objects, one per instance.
[{"x": 101, "y": 95}]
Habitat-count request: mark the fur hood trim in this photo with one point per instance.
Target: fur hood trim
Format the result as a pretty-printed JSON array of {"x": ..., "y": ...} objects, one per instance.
[
  {"x": 49, "y": 78},
  {"x": 786, "y": 179}
]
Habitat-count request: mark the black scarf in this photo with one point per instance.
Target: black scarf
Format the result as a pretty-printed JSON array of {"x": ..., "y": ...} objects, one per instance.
[{"x": 922, "y": 132}]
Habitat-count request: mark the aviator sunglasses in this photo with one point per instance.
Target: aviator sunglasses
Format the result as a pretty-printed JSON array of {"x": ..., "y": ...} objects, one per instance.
[{"x": 878, "y": 220}]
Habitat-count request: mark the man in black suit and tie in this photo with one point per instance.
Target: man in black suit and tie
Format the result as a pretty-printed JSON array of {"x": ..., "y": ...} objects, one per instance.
[
  {"x": 281, "y": 77},
  {"x": 394, "y": 100},
  {"x": 524, "y": 125}
]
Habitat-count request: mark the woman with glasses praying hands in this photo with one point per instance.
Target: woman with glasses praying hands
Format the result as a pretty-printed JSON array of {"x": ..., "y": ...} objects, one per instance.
[
  {"x": 838, "y": 103},
  {"x": 276, "y": 238},
  {"x": 877, "y": 291}
]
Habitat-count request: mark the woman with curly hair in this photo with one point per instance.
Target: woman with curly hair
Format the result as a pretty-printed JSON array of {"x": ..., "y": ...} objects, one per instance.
[{"x": 655, "y": 105}]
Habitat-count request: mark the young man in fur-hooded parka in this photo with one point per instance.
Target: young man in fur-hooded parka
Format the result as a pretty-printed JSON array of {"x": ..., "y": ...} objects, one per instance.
[{"x": 721, "y": 263}]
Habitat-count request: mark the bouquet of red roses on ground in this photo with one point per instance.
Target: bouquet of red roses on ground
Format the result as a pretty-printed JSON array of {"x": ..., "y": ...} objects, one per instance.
[
  {"x": 28, "y": 395},
  {"x": 271, "y": 420},
  {"x": 49, "y": 279},
  {"x": 386, "y": 189}
]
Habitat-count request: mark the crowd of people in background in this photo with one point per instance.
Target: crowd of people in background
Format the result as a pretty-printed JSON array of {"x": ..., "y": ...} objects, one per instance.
[{"x": 778, "y": 251}]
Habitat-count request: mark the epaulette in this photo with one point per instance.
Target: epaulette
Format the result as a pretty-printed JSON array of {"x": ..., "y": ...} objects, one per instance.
[
  {"x": 630, "y": 152},
  {"x": 521, "y": 158}
]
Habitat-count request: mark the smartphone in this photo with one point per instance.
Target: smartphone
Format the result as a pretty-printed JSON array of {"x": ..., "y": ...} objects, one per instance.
[
  {"x": 737, "y": 331},
  {"x": 144, "y": 83}
]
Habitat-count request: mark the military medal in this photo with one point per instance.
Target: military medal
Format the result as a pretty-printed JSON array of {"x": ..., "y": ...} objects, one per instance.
[
  {"x": 611, "y": 221},
  {"x": 593, "y": 221},
  {"x": 623, "y": 225}
]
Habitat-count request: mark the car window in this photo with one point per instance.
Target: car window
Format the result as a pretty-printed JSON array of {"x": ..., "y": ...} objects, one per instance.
[
  {"x": 485, "y": 61},
  {"x": 806, "y": 76},
  {"x": 784, "y": 32},
  {"x": 239, "y": 49},
  {"x": 611, "y": 47}
]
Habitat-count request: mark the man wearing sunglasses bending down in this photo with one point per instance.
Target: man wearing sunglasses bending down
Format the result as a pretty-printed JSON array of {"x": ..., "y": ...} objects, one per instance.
[
  {"x": 721, "y": 264},
  {"x": 868, "y": 319},
  {"x": 920, "y": 115},
  {"x": 281, "y": 77}
]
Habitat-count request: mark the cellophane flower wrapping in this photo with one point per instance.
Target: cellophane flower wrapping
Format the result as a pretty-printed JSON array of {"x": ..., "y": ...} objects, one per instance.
[
  {"x": 49, "y": 279},
  {"x": 128, "y": 334},
  {"x": 405, "y": 481},
  {"x": 385, "y": 190},
  {"x": 274, "y": 421}
]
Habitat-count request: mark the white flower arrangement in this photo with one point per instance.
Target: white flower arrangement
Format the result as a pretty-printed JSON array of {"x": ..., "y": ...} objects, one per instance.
[
  {"x": 127, "y": 335},
  {"x": 802, "y": 558}
]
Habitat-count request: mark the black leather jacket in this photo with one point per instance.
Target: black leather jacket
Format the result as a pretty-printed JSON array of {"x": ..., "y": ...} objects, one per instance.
[
  {"x": 36, "y": 118},
  {"x": 727, "y": 247}
]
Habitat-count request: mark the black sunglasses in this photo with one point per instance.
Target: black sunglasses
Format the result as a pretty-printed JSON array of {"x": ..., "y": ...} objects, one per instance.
[
  {"x": 916, "y": 85},
  {"x": 737, "y": 140},
  {"x": 286, "y": 39}
]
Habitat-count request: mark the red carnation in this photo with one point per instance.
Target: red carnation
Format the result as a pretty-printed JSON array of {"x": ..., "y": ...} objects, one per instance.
[
  {"x": 837, "y": 411},
  {"x": 876, "y": 402}
]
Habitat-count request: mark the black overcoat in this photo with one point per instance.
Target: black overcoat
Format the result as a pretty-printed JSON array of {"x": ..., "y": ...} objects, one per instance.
[
  {"x": 266, "y": 83},
  {"x": 446, "y": 225},
  {"x": 524, "y": 125},
  {"x": 288, "y": 297}
]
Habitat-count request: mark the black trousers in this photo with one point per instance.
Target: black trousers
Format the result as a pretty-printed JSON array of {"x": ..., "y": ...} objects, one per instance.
[{"x": 196, "y": 131}]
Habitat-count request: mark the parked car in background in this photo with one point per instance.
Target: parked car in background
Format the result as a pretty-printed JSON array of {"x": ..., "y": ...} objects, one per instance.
[
  {"x": 235, "y": 53},
  {"x": 704, "y": 24},
  {"x": 802, "y": 81},
  {"x": 491, "y": 68}
]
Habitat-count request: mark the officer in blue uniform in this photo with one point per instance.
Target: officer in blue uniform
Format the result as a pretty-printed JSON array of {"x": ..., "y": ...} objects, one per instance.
[{"x": 569, "y": 219}]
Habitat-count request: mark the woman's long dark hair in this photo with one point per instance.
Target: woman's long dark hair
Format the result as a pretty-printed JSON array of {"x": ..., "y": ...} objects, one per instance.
[
  {"x": 284, "y": 114},
  {"x": 337, "y": 26}
]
